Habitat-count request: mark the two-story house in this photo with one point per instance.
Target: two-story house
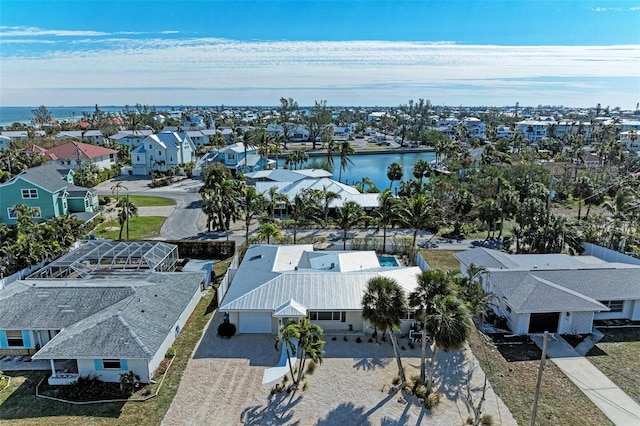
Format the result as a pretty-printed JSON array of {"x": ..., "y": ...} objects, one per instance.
[
  {"x": 162, "y": 151},
  {"x": 74, "y": 154},
  {"x": 130, "y": 138},
  {"x": 49, "y": 191}
]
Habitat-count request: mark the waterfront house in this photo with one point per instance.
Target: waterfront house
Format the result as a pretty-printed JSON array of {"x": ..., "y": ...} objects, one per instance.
[
  {"x": 161, "y": 152},
  {"x": 49, "y": 191}
]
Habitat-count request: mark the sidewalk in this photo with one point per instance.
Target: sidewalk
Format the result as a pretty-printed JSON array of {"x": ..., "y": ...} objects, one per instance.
[{"x": 613, "y": 402}]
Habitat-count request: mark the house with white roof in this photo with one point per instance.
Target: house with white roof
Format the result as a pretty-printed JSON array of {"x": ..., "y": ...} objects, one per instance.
[
  {"x": 274, "y": 283},
  {"x": 556, "y": 292},
  {"x": 106, "y": 308},
  {"x": 240, "y": 158},
  {"x": 161, "y": 152}
]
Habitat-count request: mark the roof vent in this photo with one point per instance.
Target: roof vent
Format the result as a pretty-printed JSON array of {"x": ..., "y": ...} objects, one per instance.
[
  {"x": 295, "y": 268},
  {"x": 535, "y": 266},
  {"x": 259, "y": 256}
]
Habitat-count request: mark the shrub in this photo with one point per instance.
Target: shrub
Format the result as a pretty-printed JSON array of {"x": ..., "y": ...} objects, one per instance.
[
  {"x": 226, "y": 329},
  {"x": 129, "y": 382},
  {"x": 396, "y": 380},
  {"x": 431, "y": 400},
  {"x": 421, "y": 391},
  {"x": 487, "y": 419},
  {"x": 104, "y": 200},
  {"x": 171, "y": 352},
  {"x": 311, "y": 367}
]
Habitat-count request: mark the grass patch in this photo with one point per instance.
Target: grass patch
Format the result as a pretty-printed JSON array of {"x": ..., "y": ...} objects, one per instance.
[
  {"x": 140, "y": 228},
  {"x": 560, "y": 401},
  {"x": 145, "y": 200},
  {"x": 616, "y": 355},
  {"x": 19, "y": 405},
  {"x": 441, "y": 259}
]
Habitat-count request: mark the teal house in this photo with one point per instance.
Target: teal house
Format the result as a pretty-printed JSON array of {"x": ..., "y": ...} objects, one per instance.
[{"x": 50, "y": 192}]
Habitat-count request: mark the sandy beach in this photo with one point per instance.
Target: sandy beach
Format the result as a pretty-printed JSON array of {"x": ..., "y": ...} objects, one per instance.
[{"x": 223, "y": 385}]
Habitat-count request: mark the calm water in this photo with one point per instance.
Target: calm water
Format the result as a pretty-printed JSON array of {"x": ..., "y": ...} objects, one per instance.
[
  {"x": 375, "y": 166},
  {"x": 10, "y": 115}
]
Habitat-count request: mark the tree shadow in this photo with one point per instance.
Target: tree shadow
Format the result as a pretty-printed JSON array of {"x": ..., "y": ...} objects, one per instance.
[
  {"x": 278, "y": 411},
  {"x": 451, "y": 370},
  {"x": 345, "y": 414},
  {"x": 369, "y": 363},
  {"x": 194, "y": 204}
]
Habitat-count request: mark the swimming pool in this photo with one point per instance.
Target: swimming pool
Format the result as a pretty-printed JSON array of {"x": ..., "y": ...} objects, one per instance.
[{"x": 387, "y": 261}]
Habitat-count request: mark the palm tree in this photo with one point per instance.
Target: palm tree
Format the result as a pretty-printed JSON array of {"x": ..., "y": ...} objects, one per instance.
[
  {"x": 310, "y": 344},
  {"x": 128, "y": 209},
  {"x": 387, "y": 213},
  {"x": 252, "y": 205},
  {"x": 383, "y": 305},
  {"x": 303, "y": 205},
  {"x": 331, "y": 146},
  {"x": 394, "y": 172},
  {"x": 275, "y": 197},
  {"x": 422, "y": 168},
  {"x": 269, "y": 230},
  {"x": 583, "y": 188},
  {"x": 414, "y": 212},
  {"x": 346, "y": 150},
  {"x": 449, "y": 326},
  {"x": 348, "y": 216},
  {"x": 116, "y": 188},
  {"x": 326, "y": 198},
  {"x": 431, "y": 283}
]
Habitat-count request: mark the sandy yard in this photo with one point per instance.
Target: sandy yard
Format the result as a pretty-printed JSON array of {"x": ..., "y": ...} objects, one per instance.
[{"x": 222, "y": 385}]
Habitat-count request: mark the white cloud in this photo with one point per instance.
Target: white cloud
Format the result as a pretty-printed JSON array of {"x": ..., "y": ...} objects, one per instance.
[
  {"x": 6, "y": 31},
  {"x": 367, "y": 72},
  {"x": 170, "y": 32}
]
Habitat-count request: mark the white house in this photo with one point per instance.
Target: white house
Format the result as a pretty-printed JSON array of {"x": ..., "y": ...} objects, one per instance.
[
  {"x": 630, "y": 140},
  {"x": 161, "y": 152},
  {"x": 130, "y": 138},
  {"x": 504, "y": 132},
  {"x": 274, "y": 283},
  {"x": 533, "y": 130},
  {"x": 556, "y": 292},
  {"x": 106, "y": 320}
]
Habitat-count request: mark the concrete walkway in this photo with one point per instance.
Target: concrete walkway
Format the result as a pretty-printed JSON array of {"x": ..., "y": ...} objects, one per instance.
[{"x": 613, "y": 402}]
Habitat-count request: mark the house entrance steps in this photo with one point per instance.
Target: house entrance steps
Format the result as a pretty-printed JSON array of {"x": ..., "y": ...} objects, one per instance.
[{"x": 619, "y": 407}]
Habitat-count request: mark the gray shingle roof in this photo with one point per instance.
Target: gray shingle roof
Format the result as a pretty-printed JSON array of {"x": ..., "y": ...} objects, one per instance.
[
  {"x": 133, "y": 326},
  {"x": 50, "y": 178}
]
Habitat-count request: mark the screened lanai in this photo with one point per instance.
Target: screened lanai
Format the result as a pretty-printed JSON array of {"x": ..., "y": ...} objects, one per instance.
[{"x": 95, "y": 258}]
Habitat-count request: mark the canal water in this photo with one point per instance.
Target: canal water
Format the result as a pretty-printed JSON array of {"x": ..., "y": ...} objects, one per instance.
[{"x": 373, "y": 166}]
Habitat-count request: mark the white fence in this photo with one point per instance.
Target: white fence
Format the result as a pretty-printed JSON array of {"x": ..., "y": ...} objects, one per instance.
[
  {"x": 608, "y": 254},
  {"x": 227, "y": 279}
]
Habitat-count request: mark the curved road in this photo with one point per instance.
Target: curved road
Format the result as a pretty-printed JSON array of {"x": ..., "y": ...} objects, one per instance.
[{"x": 182, "y": 223}]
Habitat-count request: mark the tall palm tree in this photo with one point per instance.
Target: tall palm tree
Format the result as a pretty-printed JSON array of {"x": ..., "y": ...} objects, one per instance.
[
  {"x": 116, "y": 188},
  {"x": 431, "y": 283},
  {"x": 394, "y": 172},
  {"x": 326, "y": 198},
  {"x": 275, "y": 197},
  {"x": 310, "y": 344},
  {"x": 346, "y": 150},
  {"x": 415, "y": 212},
  {"x": 127, "y": 209},
  {"x": 387, "y": 213},
  {"x": 421, "y": 168},
  {"x": 331, "y": 147},
  {"x": 348, "y": 216},
  {"x": 302, "y": 206},
  {"x": 253, "y": 204},
  {"x": 449, "y": 325},
  {"x": 383, "y": 305}
]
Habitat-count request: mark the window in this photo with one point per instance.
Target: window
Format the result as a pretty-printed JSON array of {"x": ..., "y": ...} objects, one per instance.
[
  {"x": 111, "y": 157},
  {"x": 14, "y": 338},
  {"x": 231, "y": 156},
  {"x": 112, "y": 364},
  {"x": 327, "y": 316},
  {"x": 613, "y": 305},
  {"x": 12, "y": 213},
  {"x": 29, "y": 193},
  {"x": 409, "y": 315}
]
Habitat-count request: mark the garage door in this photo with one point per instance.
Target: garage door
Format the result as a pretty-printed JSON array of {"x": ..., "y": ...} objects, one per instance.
[
  {"x": 255, "y": 322},
  {"x": 548, "y": 321}
]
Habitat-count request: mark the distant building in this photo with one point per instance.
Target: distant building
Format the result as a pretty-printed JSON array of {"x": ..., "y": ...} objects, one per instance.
[{"x": 160, "y": 152}]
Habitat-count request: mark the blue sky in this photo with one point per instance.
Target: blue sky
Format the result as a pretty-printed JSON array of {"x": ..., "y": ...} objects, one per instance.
[{"x": 346, "y": 52}]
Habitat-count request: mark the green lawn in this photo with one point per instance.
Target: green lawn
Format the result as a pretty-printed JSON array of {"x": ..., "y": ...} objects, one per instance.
[
  {"x": 140, "y": 228},
  {"x": 19, "y": 406},
  {"x": 147, "y": 201},
  {"x": 616, "y": 355}
]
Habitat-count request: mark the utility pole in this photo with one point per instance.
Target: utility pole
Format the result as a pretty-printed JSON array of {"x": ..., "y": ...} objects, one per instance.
[
  {"x": 127, "y": 216},
  {"x": 543, "y": 359}
]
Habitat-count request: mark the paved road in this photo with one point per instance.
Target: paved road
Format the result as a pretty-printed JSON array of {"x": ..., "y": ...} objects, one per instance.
[{"x": 183, "y": 221}]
